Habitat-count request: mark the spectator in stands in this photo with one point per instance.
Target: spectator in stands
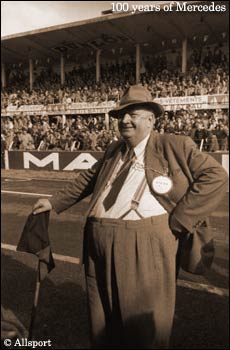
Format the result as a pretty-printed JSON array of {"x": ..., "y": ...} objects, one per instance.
[
  {"x": 9, "y": 137},
  {"x": 222, "y": 133},
  {"x": 200, "y": 134},
  {"x": 16, "y": 140},
  {"x": 26, "y": 140},
  {"x": 212, "y": 143},
  {"x": 93, "y": 139},
  {"x": 179, "y": 125}
]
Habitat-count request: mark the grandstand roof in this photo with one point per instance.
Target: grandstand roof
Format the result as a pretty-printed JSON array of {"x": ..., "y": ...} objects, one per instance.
[{"x": 155, "y": 30}]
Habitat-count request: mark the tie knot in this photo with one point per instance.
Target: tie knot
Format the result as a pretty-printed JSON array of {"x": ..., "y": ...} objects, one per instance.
[{"x": 129, "y": 154}]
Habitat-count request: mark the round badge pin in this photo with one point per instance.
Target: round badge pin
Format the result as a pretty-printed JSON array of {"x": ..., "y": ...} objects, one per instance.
[{"x": 162, "y": 184}]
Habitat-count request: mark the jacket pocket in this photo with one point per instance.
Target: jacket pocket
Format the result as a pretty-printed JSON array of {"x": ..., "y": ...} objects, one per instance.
[{"x": 197, "y": 250}]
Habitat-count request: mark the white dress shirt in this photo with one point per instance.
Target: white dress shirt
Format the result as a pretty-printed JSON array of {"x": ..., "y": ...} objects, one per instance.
[{"x": 148, "y": 206}]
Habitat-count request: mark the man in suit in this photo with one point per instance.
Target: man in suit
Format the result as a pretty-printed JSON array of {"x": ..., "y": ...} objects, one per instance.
[{"x": 151, "y": 192}]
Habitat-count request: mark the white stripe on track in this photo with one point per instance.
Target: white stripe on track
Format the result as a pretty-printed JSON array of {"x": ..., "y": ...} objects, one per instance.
[
  {"x": 27, "y": 193},
  {"x": 181, "y": 283},
  {"x": 14, "y": 179},
  {"x": 60, "y": 257},
  {"x": 223, "y": 292}
]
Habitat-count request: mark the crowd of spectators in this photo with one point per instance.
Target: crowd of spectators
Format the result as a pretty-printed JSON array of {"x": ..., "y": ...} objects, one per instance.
[
  {"x": 207, "y": 74},
  {"x": 24, "y": 132},
  {"x": 209, "y": 129}
]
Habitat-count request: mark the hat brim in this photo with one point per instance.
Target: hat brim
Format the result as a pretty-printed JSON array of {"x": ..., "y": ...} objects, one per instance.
[{"x": 157, "y": 109}]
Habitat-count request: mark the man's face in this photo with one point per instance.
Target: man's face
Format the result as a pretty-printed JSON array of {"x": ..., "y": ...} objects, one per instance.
[{"x": 135, "y": 124}]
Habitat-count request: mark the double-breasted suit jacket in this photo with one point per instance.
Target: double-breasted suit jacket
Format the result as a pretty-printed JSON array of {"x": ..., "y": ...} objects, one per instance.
[{"x": 199, "y": 181}]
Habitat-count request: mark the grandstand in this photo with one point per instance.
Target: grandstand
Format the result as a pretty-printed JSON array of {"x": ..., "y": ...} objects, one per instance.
[{"x": 59, "y": 83}]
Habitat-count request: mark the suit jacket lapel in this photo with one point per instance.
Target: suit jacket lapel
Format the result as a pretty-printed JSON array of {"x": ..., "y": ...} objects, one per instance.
[
  {"x": 157, "y": 165},
  {"x": 155, "y": 162}
]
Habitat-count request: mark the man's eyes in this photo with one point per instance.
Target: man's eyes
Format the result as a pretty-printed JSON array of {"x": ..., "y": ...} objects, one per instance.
[{"x": 132, "y": 115}]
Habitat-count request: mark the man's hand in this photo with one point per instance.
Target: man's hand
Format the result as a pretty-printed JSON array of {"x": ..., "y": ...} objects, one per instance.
[
  {"x": 42, "y": 205},
  {"x": 175, "y": 226}
]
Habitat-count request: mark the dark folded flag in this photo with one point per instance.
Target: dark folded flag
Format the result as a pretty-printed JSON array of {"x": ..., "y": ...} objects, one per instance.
[{"x": 35, "y": 239}]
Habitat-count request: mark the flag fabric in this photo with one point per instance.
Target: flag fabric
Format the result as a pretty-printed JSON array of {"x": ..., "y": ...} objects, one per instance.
[{"x": 35, "y": 239}]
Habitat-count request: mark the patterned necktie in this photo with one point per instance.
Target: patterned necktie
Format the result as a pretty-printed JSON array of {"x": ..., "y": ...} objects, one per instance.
[{"x": 117, "y": 184}]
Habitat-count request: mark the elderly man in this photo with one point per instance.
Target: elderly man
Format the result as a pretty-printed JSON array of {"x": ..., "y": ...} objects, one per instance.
[{"x": 150, "y": 191}]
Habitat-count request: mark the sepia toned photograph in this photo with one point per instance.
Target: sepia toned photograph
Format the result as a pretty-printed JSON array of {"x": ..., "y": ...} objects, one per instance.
[{"x": 114, "y": 175}]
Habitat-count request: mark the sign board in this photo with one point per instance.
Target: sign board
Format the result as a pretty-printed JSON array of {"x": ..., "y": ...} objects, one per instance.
[
  {"x": 69, "y": 161},
  {"x": 169, "y": 103}
]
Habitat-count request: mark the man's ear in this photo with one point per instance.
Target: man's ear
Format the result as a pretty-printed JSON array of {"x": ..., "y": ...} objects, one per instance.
[{"x": 152, "y": 119}]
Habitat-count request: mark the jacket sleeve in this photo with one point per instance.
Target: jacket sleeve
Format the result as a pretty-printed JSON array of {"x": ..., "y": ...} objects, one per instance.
[
  {"x": 78, "y": 189},
  {"x": 205, "y": 192}
]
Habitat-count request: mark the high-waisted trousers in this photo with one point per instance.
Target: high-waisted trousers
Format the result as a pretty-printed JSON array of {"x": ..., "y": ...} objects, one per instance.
[{"x": 130, "y": 269}]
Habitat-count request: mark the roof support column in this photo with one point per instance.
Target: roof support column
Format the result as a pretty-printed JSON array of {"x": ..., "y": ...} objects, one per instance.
[
  {"x": 184, "y": 56},
  {"x": 62, "y": 69},
  {"x": 107, "y": 121},
  {"x": 3, "y": 76},
  {"x": 98, "y": 65},
  {"x": 31, "y": 73},
  {"x": 138, "y": 62}
]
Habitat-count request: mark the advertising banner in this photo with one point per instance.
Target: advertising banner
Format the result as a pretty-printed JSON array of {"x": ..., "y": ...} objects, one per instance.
[
  {"x": 46, "y": 160},
  {"x": 70, "y": 161},
  {"x": 218, "y": 101},
  {"x": 169, "y": 103},
  {"x": 177, "y": 103}
]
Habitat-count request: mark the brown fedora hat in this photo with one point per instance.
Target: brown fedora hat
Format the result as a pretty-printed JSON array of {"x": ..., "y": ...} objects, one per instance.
[{"x": 137, "y": 95}]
